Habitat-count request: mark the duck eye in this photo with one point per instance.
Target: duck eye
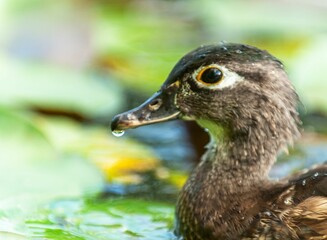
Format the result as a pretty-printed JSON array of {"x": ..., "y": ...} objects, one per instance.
[{"x": 210, "y": 75}]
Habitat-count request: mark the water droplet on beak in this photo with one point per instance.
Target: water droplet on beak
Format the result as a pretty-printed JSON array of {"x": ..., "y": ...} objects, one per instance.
[{"x": 118, "y": 133}]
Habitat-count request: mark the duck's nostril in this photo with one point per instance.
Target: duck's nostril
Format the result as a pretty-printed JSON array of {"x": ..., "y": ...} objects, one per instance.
[{"x": 155, "y": 104}]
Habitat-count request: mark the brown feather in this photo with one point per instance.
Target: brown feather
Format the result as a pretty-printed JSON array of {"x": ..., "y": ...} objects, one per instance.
[{"x": 310, "y": 215}]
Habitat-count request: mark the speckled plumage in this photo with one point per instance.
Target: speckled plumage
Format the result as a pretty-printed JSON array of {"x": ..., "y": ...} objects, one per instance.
[{"x": 229, "y": 194}]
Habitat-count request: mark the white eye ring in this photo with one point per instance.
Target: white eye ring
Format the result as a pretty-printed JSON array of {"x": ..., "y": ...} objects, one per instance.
[{"x": 229, "y": 79}]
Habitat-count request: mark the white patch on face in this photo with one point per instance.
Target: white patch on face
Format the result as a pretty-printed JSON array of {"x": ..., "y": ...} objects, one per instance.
[{"x": 229, "y": 78}]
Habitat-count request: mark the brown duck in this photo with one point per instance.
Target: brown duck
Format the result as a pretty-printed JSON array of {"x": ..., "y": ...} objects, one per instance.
[{"x": 242, "y": 95}]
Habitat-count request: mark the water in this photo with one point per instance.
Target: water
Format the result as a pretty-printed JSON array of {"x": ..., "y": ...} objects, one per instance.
[
  {"x": 118, "y": 133},
  {"x": 57, "y": 207}
]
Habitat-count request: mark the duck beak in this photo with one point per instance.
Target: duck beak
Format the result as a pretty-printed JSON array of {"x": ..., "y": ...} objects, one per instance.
[{"x": 160, "y": 107}]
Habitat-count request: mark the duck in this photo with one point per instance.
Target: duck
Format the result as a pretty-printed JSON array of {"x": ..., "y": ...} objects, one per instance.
[{"x": 244, "y": 99}]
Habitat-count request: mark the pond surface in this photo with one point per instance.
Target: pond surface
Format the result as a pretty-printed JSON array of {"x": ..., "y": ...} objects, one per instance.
[{"x": 66, "y": 198}]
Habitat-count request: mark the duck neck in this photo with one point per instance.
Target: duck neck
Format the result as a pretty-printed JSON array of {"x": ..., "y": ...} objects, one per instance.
[
  {"x": 236, "y": 164},
  {"x": 245, "y": 155},
  {"x": 240, "y": 160}
]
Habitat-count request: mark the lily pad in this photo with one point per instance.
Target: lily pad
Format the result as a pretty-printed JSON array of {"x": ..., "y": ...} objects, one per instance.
[
  {"x": 32, "y": 172},
  {"x": 113, "y": 219},
  {"x": 26, "y": 84},
  {"x": 120, "y": 160}
]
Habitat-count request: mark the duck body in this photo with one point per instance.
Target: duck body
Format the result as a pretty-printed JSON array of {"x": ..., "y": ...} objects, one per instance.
[
  {"x": 293, "y": 208},
  {"x": 243, "y": 97}
]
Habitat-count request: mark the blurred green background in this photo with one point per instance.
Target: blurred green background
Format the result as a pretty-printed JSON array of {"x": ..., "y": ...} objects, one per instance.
[{"x": 68, "y": 66}]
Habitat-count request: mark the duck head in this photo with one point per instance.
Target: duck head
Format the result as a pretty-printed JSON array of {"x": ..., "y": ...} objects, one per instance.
[{"x": 222, "y": 86}]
